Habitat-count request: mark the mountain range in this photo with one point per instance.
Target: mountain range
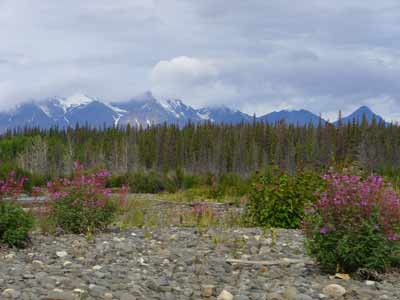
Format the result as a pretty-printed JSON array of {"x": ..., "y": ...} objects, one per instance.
[{"x": 145, "y": 110}]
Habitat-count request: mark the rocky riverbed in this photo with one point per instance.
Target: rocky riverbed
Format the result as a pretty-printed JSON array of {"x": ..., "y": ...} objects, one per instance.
[{"x": 177, "y": 263}]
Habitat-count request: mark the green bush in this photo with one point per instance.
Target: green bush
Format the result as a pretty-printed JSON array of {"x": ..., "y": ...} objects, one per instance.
[
  {"x": 354, "y": 224},
  {"x": 190, "y": 181},
  {"x": 117, "y": 181},
  {"x": 229, "y": 184},
  {"x": 82, "y": 204},
  {"x": 150, "y": 183},
  {"x": 15, "y": 224},
  {"x": 73, "y": 215},
  {"x": 279, "y": 201}
]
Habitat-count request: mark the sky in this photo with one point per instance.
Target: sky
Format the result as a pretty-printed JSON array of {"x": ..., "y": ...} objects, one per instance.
[{"x": 257, "y": 56}]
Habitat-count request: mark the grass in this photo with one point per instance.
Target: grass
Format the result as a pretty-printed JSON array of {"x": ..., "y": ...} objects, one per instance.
[
  {"x": 164, "y": 210},
  {"x": 147, "y": 211}
]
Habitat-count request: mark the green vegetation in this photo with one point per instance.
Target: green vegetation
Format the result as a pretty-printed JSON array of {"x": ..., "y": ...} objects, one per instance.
[
  {"x": 217, "y": 149},
  {"x": 15, "y": 224},
  {"x": 82, "y": 204},
  {"x": 279, "y": 200},
  {"x": 354, "y": 224}
]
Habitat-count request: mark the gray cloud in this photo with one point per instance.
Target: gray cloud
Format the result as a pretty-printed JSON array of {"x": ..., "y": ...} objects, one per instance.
[{"x": 253, "y": 55}]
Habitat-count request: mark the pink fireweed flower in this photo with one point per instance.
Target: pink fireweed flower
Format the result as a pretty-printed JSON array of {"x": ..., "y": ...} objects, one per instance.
[
  {"x": 56, "y": 195},
  {"x": 349, "y": 201}
]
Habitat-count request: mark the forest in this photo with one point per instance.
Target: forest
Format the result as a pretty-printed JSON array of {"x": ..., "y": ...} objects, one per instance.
[{"x": 204, "y": 148}]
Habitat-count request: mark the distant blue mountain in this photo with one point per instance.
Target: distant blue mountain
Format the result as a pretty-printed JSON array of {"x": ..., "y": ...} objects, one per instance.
[
  {"x": 145, "y": 110},
  {"x": 296, "y": 117},
  {"x": 358, "y": 115},
  {"x": 25, "y": 115}
]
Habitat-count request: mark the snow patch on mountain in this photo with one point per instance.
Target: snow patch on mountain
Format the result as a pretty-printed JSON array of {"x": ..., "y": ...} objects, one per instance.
[
  {"x": 74, "y": 101},
  {"x": 166, "y": 104},
  {"x": 204, "y": 114},
  {"x": 46, "y": 110}
]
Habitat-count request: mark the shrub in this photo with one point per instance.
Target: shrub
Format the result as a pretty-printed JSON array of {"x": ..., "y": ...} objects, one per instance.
[
  {"x": 15, "y": 223},
  {"x": 116, "y": 181},
  {"x": 355, "y": 224},
  {"x": 190, "y": 181},
  {"x": 279, "y": 201},
  {"x": 151, "y": 183},
  {"x": 82, "y": 204}
]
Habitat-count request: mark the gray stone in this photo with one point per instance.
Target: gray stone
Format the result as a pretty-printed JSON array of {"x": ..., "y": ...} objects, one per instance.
[
  {"x": 207, "y": 290},
  {"x": 225, "y": 295},
  {"x": 62, "y": 254},
  {"x": 10, "y": 294},
  {"x": 334, "y": 290},
  {"x": 59, "y": 295},
  {"x": 290, "y": 293},
  {"x": 274, "y": 296},
  {"x": 303, "y": 297},
  {"x": 127, "y": 297}
]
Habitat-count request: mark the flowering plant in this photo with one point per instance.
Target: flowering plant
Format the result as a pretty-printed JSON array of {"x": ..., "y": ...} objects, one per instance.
[
  {"x": 11, "y": 187},
  {"x": 83, "y": 203},
  {"x": 355, "y": 223},
  {"x": 15, "y": 223}
]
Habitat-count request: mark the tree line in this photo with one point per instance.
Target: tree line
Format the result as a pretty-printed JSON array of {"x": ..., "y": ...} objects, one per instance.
[{"x": 204, "y": 148}]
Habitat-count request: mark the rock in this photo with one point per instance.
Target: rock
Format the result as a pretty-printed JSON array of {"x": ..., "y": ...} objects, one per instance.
[
  {"x": 343, "y": 276},
  {"x": 61, "y": 254},
  {"x": 127, "y": 297},
  {"x": 253, "y": 250},
  {"x": 303, "y": 297},
  {"x": 191, "y": 266},
  {"x": 369, "y": 282},
  {"x": 10, "y": 294},
  {"x": 290, "y": 293},
  {"x": 274, "y": 296},
  {"x": 59, "y": 295},
  {"x": 28, "y": 276},
  {"x": 99, "y": 274},
  {"x": 108, "y": 296},
  {"x": 225, "y": 295},
  {"x": 38, "y": 264},
  {"x": 153, "y": 285},
  {"x": 79, "y": 247},
  {"x": 334, "y": 290},
  {"x": 207, "y": 290},
  {"x": 10, "y": 256}
]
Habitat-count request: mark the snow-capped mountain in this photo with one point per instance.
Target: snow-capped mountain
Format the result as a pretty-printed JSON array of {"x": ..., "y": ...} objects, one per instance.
[
  {"x": 25, "y": 115},
  {"x": 223, "y": 114},
  {"x": 143, "y": 110}
]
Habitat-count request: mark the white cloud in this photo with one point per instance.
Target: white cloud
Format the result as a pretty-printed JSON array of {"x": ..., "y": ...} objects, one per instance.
[
  {"x": 252, "y": 55},
  {"x": 190, "y": 78}
]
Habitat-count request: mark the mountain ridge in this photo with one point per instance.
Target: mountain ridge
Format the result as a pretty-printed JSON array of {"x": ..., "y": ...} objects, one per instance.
[{"x": 145, "y": 110}]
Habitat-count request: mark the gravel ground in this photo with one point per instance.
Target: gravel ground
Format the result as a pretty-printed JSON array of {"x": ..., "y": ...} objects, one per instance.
[{"x": 176, "y": 263}]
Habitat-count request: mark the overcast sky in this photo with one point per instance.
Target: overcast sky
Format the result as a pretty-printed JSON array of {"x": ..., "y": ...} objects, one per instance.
[{"x": 253, "y": 55}]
